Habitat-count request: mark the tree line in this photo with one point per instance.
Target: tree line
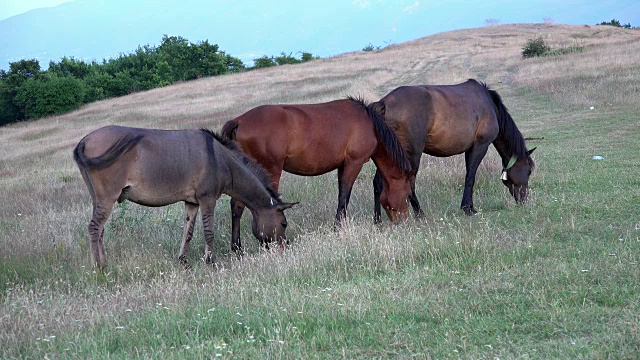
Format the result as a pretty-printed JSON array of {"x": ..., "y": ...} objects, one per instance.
[{"x": 28, "y": 92}]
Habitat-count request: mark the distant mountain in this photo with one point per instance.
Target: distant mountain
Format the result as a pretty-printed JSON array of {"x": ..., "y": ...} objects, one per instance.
[{"x": 99, "y": 29}]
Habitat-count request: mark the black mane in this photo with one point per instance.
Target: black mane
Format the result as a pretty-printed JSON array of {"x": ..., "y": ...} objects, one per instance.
[
  {"x": 253, "y": 166},
  {"x": 389, "y": 139},
  {"x": 509, "y": 132}
]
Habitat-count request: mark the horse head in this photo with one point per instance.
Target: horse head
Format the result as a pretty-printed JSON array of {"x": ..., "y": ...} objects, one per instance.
[
  {"x": 269, "y": 224},
  {"x": 515, "y": 176},
  {"x": 394, "y": 195}
]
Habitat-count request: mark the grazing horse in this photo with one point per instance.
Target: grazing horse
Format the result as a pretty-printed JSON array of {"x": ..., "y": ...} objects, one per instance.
[
  {"x": 161, "y": 167},
  {"x": 313, "y": 139},
  {"x": 445, "y": 120}
]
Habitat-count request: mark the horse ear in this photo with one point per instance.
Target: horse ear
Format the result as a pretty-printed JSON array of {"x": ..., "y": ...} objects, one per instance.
[
  {"x": 531, "y": 151},
  {"x": 284, "y": 206}
]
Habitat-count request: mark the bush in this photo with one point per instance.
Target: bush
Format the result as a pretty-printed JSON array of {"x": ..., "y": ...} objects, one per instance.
[
  {"x": 50, "y": 96},
  {"x": 264, "y": 61},
  {"x": 535, "y": 47},
  {"x": 370, "y": 47},
  {"x": 307, "y": 56},
  {"x": 26, "y": 92},
  {"x": 283, "y": 59},
  {"x": 616, "y": 23}
]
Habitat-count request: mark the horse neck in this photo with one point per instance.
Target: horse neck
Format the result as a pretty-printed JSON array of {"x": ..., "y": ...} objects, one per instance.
[
  {"x": 387, "y": 166},
  {"x": 503, "y": 151},
  {"x": 509, "y": 141},
  {"x": 245, "y": 186}
]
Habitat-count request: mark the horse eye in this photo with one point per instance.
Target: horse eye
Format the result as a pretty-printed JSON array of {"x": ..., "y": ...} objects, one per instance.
[{"x": 284, "y": 225}]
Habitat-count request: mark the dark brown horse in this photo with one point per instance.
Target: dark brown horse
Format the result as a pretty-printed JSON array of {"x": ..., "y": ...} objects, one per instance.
[
  {"x": 160, "y": 167},
  {"x": 313, "y": 139},
  {"x": 445, "y": 120}
]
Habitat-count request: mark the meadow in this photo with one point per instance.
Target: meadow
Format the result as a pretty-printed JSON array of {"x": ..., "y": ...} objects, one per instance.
[{"x": 555, "y": 278}]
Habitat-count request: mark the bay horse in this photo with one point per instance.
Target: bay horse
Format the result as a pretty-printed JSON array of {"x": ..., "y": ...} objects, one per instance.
[
  {"x": 160, "y": 167},
  {"x": 313, "y": 139},
  {"x": 445, "y": 120}
]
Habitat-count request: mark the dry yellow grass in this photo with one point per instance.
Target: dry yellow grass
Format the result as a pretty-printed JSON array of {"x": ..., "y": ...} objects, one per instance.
[{"x": 490, "y": 54}]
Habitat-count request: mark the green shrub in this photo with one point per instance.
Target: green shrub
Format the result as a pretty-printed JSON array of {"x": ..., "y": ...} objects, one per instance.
[
  {"x": 50, "y": 95},
  {"x": 307, "y": 56},
  {"x": 264, "y": 61},
  {"x": 284, "y": 59},
  {"x": 26, "y": 92},
  {"x": 535, "y": 47},
  {"x": 616, "y": 23},
  {"x": 370, "y": 47}
]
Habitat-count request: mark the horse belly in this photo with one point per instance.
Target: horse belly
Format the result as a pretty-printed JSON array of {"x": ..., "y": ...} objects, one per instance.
[
  {"x": 159, "y": 182},
  {"x": 445, "y": 144},
  {"x": 147, "y": 195},
  {"x": 158, "y": 194},
  {"x": 311, "y": 164},
  {"x": 312, "y": 151}
]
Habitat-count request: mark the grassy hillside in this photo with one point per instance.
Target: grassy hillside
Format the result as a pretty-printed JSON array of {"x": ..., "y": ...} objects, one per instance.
[{"x": 557, "y": 278}]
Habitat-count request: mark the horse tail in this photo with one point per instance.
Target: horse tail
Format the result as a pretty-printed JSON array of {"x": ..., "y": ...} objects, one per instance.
[
  {"x": 121, "y": 146},
  {"x": 229, "y": 129},
  {"x": 509, "y": 132},
  {"x": 386, "y": 135}
]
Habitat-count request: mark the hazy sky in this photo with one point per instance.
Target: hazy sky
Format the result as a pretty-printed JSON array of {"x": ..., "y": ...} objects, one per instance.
[
  {"x": 9, "y": 8},
  {"x": 561, "y": 11}
]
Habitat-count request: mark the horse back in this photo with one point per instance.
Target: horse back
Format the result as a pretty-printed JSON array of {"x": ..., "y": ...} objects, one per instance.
[
  {"x": 443, "y": 120},
  {"x": 306, "y": 139},
  {"x": 162, "y": 168}
]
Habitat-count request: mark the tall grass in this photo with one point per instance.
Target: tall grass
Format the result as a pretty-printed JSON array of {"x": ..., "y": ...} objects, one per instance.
[{"x": 556, "y": 278}]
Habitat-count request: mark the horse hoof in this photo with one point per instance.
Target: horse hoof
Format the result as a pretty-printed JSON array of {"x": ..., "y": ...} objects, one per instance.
[
  {"x": 186, "y": 267},
  {"x": 238, "y": 251},
  {"x": 469, "y": 211}
]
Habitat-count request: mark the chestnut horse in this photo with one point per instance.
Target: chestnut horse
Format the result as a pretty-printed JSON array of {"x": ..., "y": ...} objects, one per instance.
[
  {"x": 160, "y": 167},
  {"x": 313, "y": 139},
  {"x": 445, "y": 120}
]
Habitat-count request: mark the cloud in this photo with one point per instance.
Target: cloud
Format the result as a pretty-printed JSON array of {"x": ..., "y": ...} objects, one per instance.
[
  {"x": 412, "y": 7},
  {"x": 361, "y": 3}
]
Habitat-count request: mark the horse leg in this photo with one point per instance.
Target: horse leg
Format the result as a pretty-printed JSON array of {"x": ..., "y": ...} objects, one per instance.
[
  {"x": 347, "y": 175},
  {"x": 472, "y": 159},
  {"x": 276, "y": 173},
  {"x": 237, "y": 208},
  {"x": 413, "y": 199},
  {"x": 101, "y": 212},
  {"x": 208, "y": 206},
  {"x": 377, "y": 190},
  {"x": 190, "y": 213}
]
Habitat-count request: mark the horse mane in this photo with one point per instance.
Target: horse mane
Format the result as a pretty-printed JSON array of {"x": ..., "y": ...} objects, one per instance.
[
  {"x": 389, "y": 139},
  {"x": 509, "y": 132},
  {"x": 253, "y": 166}
]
